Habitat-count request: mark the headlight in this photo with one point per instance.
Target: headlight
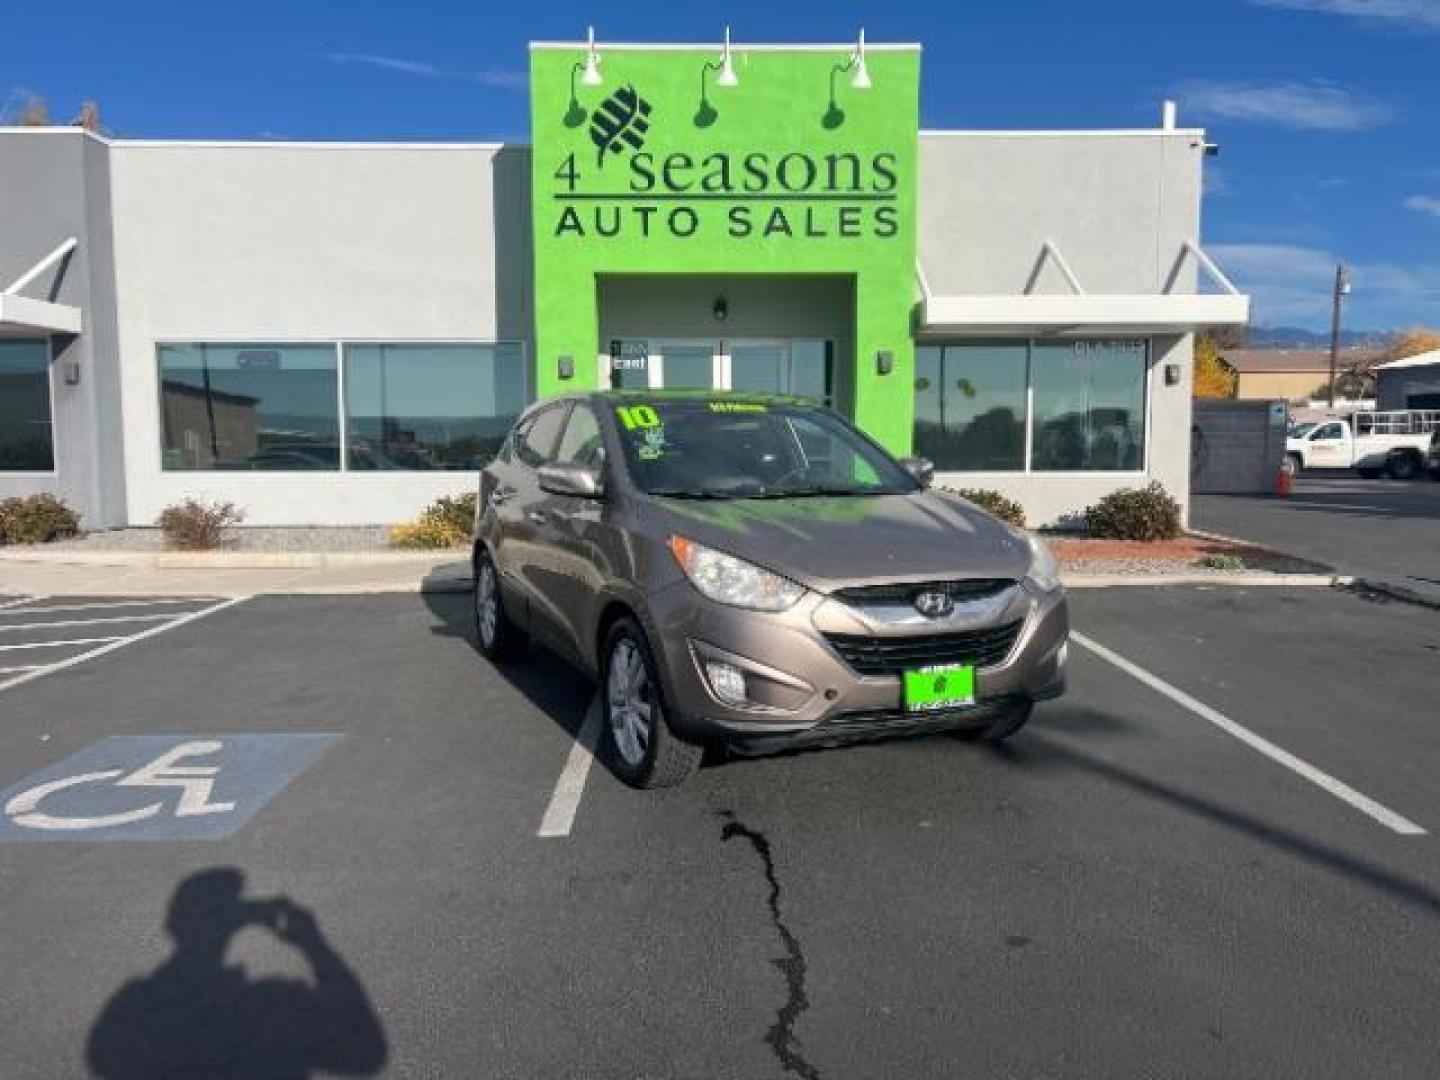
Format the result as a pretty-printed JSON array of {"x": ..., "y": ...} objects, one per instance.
[
  {"x": 728, "y": 580},
  {"x": 1044, "y": 569}
]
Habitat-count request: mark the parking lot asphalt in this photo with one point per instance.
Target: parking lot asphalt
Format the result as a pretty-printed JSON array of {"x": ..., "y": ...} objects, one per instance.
[
  {"x": 1383, "y": 529},
  {"x": 1128, "y": 888}
]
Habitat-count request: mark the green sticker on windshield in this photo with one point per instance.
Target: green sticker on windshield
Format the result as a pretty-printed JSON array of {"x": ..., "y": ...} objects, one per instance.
[{"x": 637, "y": 417}]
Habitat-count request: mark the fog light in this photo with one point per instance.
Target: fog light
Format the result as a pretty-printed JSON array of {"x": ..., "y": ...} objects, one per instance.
[{"x": 727, "y": 681}]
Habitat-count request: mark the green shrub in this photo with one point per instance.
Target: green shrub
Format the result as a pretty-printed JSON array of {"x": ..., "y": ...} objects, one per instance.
[
  {"x": 447, "y": 522},
  {"x": 37, "y": 519},
  {"x": 1147, "y": 513},
  {"x": 1007, "y": 510},
  {"x": 196, "y": 525},
  {"x": 1221, "y": 562}
]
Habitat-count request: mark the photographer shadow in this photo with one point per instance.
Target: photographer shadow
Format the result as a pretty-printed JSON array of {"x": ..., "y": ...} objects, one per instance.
[{"x": 194, "y": 1016}]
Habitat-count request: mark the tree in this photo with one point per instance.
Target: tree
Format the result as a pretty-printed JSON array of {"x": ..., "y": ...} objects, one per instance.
[
  {"x": 25, "y": 109},
  {"x": 1213, "y": 377},
  {"x": 1412, "y": 341}
]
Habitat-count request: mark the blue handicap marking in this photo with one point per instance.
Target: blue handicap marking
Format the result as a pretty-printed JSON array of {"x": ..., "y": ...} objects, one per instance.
[{"x": 157, "y": 787}]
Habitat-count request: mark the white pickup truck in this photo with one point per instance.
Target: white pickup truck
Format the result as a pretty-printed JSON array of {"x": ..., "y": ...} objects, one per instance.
[{"x": 1371, "y": 443}]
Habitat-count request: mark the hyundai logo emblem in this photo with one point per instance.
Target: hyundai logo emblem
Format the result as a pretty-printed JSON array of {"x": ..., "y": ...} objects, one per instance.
[{"x": 934, "y": 605}]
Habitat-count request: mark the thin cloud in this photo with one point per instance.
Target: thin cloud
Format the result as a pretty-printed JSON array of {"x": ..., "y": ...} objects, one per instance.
[
  {"x": 386, "y": 63},
  {"x": 1310, "y": 106},
  {"x": 498, "y": 78},
  {"x": 1292, "y": 284},
  {"x": 1426, "y": 204},
  {"x": 1409, "y": 14}
]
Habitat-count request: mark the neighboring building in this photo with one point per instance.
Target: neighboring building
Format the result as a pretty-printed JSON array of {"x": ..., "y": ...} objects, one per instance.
[
  {"x": 1293, "y": 375},
  {"x": 1412, "y": 383},
  {"x": 335, "y": 333}
]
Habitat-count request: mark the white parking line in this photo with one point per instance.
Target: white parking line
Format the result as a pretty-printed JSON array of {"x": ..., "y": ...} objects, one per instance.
[
  {"x": 22, "y": 600},
  {"x": 84, "y": 622},
  {"x": 1321, "y": 779},
  {"x": 109, "y": 604},
  {"x": 565, "y": 801},
  {"x": 120, "y": 643},
  {"x": 56, "y": 644}
]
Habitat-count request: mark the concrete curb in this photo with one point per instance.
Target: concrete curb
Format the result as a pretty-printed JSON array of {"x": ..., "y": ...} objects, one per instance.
[
  {"x": 235, "y": 560},
  {"x": 1110, "y": 581}
]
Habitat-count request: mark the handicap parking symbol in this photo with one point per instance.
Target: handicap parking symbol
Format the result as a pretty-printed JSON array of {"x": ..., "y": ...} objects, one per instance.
[{"x": 157, "y": 787}]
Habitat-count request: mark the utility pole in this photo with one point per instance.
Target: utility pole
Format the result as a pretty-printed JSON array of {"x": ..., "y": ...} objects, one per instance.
[{"x": 1342, "y": 288}]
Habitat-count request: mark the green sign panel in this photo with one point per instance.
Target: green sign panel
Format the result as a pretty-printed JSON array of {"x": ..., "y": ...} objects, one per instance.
[{"x": 660, "y": 170}]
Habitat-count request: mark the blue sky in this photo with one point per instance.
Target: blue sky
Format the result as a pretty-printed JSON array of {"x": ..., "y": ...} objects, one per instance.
[{"x": 1327, "y": 111}]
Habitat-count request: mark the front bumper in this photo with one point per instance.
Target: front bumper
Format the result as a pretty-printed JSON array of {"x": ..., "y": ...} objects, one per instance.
[{"x": 802, "y": 692}]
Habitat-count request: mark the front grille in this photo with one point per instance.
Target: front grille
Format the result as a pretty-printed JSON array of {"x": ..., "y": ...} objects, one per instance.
[
  {"x": 888, "y": 655},
  {"x": 905, "y": 593}
]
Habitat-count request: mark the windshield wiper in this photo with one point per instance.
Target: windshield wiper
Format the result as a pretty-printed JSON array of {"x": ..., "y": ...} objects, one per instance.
[
  {"x": 689, "y": 493},
  {"x": 820, "y": 490}
]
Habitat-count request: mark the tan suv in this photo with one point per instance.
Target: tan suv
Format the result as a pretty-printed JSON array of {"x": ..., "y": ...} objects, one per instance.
[{"x": 756, "y": 572}]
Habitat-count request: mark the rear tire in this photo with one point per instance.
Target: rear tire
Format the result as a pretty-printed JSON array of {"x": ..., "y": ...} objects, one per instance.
[
  {"x": 644, "y": 752},
  {"x": 496, "y": 636},
  {"x": 1002, "y": 727},
  {"x": 1404, "y": 467}
]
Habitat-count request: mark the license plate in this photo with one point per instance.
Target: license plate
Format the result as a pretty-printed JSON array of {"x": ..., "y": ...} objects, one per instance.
[{"x": 945, "y": 687}]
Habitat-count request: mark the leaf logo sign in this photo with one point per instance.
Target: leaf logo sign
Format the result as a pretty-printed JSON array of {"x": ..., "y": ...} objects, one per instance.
[{"x": 621, "y": 120}]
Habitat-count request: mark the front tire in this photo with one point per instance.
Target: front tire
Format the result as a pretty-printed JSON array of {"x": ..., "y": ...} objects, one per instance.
[
  {"x": 1295, "y": 463},
  {"x": 644, "y": 751},
  {"x": 496, "y": 636}
]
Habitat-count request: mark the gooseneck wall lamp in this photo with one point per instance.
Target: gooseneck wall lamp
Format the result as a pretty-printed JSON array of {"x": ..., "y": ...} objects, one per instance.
[
  {"x": 725, "y": 76},
  {"x": 589, "y": 72},
  {"x": 859, "y": 80}
]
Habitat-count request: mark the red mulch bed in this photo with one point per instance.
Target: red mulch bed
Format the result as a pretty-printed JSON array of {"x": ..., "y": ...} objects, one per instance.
[{"x": 1077, "y": 552}]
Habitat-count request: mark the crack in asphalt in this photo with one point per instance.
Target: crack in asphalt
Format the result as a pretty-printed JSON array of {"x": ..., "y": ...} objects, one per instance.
[{"x": 781, "y": 1037}]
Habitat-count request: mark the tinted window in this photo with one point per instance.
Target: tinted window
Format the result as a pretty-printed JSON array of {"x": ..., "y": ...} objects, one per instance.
[
  {"x": 430, "y": 406},
  {"x": 581, "y": 444},
  {"x": 535, "y": 444},
  {"x": 1089, "y": 405},
  {"x": 970, "y": 406},
  {"x": 26, "y": 443},
  {"x": 266, "y": 407},
  {"x": 1327, "y": 432}
]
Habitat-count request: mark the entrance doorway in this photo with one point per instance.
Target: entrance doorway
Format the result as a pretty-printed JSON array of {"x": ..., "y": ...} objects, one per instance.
[{"x": 803, "y": 366}]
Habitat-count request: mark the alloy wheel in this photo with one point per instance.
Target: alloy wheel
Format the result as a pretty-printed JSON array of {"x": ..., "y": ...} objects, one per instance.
[{"x": 632, "y": 702}]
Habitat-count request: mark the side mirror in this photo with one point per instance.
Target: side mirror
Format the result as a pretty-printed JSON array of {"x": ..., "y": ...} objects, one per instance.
[
  {"x": 922, "y": 469},
  {"x": 570, "y": 479}
]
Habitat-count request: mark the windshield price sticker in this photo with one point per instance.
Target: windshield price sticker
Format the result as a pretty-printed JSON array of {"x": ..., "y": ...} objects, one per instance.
[{"x": 638, "y": 417}]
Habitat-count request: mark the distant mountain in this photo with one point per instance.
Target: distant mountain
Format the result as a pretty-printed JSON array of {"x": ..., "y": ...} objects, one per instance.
[{"x": 1294, "y": 337}]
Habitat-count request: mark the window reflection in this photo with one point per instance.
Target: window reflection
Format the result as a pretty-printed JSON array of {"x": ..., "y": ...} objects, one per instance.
[
  {"x": 26, "y": 440},
  {"x": 249, "y": 407},
  {"x": 970, "y": 406},
  {"x": 1089, "y": 405},
  {"x": 430, "y": 406}
]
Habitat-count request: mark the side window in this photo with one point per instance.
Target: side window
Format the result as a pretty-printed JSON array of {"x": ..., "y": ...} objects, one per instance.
[
  {"x": 1327, "y": 433},
  {"x": 535, "y": 444},
  {"x": 581, "y": 443}
]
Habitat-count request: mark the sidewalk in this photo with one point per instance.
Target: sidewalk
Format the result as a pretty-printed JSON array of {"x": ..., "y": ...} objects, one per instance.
[{"x": 52, "y": 573}]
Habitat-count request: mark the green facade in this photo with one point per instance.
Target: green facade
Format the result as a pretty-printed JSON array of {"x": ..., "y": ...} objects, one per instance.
[{"x": 658, "y": 170}]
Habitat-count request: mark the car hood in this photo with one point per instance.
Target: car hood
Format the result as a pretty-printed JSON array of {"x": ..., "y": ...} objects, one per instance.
[{"x": 832, "y": 541}]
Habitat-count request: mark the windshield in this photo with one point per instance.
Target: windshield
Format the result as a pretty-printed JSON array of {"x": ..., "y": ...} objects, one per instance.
[
  {"x": 723, "y": 448},
  {"x": 1299, "y": 431}
]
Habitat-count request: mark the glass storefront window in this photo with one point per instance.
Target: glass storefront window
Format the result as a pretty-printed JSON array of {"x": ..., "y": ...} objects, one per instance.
[
  {"x": 1089, "y": 406},
  {"x": 430, "y": 406},
  {"x": 249, "y": 407},
  {"x": 970, "y": 406},
  {"x": 26, "y": 440}
]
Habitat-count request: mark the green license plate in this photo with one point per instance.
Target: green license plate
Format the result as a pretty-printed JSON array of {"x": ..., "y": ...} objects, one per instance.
[{"x": 945, "y": 687}]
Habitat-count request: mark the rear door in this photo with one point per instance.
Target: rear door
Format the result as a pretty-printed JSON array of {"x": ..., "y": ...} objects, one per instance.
[{"x": 519, "y": 551}]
